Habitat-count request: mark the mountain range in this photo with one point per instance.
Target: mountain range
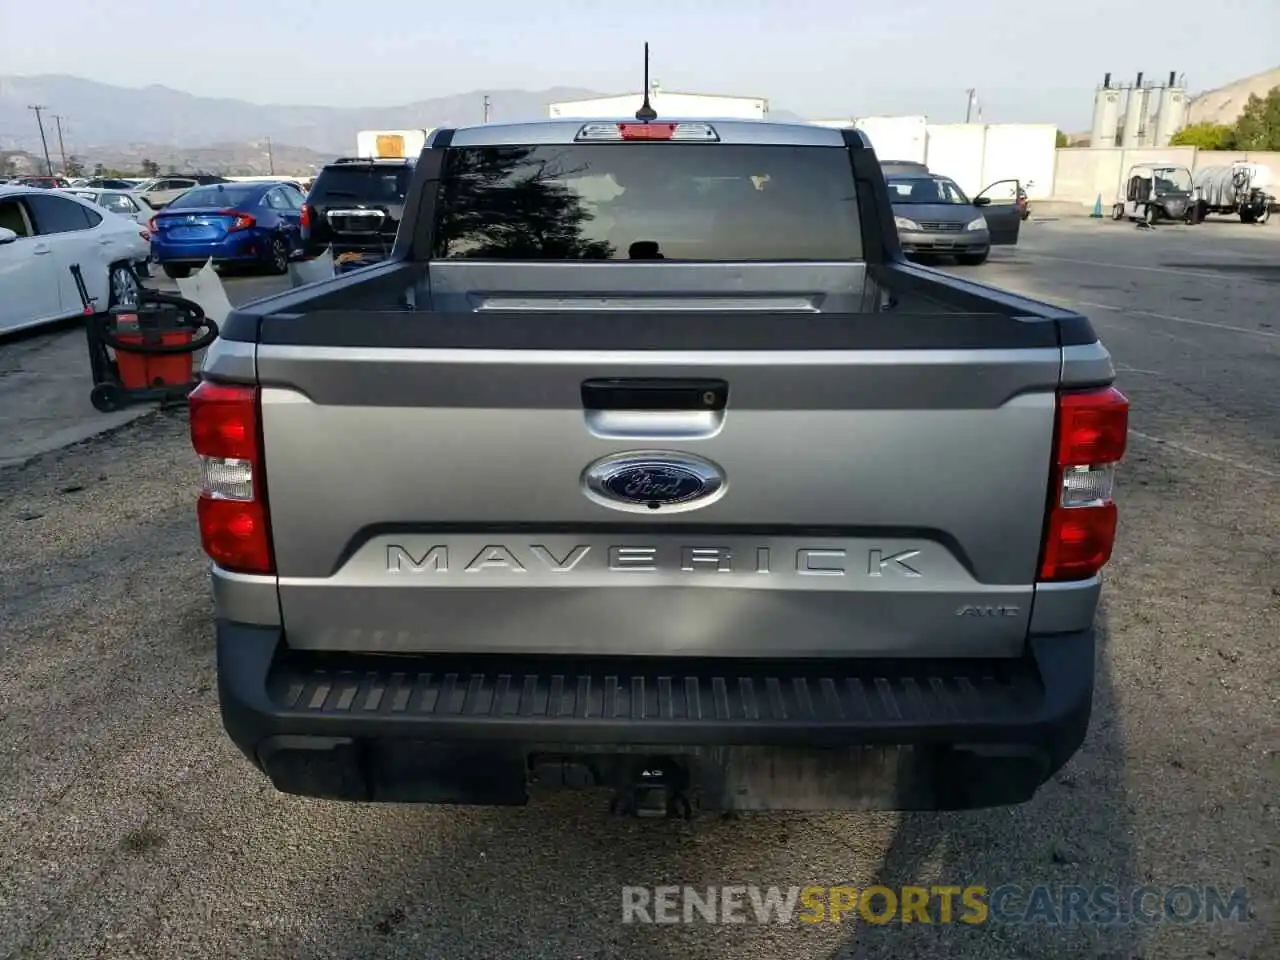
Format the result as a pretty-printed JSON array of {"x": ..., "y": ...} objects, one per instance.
[{"x": 117, "y": 126}]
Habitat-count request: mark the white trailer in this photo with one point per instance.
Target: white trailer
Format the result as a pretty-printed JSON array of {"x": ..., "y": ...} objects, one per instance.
[
  {"x": 896, "y": 138},
  {"x": 391, "y": 144},
  {"x": 668, "y": 103}
]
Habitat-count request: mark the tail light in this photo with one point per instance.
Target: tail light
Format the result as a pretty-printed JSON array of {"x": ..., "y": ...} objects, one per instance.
[
  {"x": 151, "y": 224},
  {"x": 1080, "y": 529},
  {"x": 145, "y": 235},
  {"x": 240, "y": 221},
  {"x": 629, "y": 130},
  {"x": 305, "y": 220},
  {"x": 232, "y": 507}
]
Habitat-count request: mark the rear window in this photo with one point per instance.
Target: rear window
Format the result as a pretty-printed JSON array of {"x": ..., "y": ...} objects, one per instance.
[
  {"x": 215, "y": 197},
  {"x": 648, "y": 201},
  {"x": 366, "y": 182}
]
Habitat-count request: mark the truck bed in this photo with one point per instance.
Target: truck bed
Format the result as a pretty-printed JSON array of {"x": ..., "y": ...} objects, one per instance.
[{"x": 910, "y": 446}]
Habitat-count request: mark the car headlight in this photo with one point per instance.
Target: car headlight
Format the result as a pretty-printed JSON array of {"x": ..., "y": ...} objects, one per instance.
[
  {"x": 979, "y": 224},
  {"x": 905, "y": 224}
]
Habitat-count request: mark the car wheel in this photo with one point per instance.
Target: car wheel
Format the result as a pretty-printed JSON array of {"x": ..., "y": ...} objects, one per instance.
[
  {"x": 973, "y": 259},
  {"x": 1117, "y": 212},
  {"x": 279, "y": 257},
  {"x": 175, "y": 271},
  {"x": 124, "y": 286}
]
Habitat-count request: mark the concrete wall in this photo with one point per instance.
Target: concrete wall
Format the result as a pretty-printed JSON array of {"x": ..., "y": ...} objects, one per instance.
[{"x": 1084, "y": 173}]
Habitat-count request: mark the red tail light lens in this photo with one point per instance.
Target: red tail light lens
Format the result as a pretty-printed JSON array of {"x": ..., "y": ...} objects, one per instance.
[
  {"x": 647, "y": 131},
  {"x": 306, "y": 215},
  {"x": 1080, "y": 530},
  {"x": 152, "y": 224},
  {"x": 232, "y": 507},
  {"x": 240, "y": 221}
]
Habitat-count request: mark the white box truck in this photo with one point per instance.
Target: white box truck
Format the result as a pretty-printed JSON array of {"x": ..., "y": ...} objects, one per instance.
[{"x": 896, "y": 138}]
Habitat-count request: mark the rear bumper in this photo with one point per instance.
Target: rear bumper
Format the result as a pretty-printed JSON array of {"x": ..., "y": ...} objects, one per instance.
[
  {"x": 907, "y": 734},
  {"x": 238, "y": 247}
]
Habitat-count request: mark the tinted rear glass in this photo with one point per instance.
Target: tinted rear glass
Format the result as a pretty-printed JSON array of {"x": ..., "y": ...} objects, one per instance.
[
  {"x": 648, "y": 201},
  {"x": 216, "y": 197},
  {"x": 369, "y": 183}
]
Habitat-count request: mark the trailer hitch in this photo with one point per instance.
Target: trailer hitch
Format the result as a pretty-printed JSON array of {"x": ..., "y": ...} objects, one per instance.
[{"x": 657, "y": 789}]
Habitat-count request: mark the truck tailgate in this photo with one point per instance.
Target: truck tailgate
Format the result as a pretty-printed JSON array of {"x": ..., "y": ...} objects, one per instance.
[{"x": 885, "y": 481}]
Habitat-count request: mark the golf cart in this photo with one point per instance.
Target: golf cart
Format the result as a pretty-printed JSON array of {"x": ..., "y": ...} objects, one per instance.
[{"x": 1154, "y": 192}]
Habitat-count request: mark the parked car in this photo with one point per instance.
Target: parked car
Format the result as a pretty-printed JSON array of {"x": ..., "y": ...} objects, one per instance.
[
  {"x": 254, "y": 224},
  {"x": 41, "y": 235},
  {"x": 107, "y": 183},
  {"x": 354, "y": 208},
  {"x": 703, "y": 495},
  {"x": 44, "y": 183},
  {"x": 121, "y": 202},
  {"x": 934, "y": 216},
  {"x": 162, "y": 191}
]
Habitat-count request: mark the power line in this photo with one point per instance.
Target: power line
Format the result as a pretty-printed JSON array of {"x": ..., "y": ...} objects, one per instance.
[{"x": 37, "y": 108}]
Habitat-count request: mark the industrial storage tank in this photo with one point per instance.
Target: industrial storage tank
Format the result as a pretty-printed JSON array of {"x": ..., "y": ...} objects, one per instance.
[
  {"x": 1171, "y": 112},
  {"x": 1135, "y": 116},
  {"x": 1106, "y": 115}
]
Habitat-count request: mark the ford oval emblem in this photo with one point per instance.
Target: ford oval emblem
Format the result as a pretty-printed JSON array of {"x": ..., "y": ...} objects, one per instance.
[{"x": 653, "y": 480}]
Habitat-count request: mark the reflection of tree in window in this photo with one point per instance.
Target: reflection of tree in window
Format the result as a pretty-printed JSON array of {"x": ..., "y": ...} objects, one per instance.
[{"x": 501, "y": 203}]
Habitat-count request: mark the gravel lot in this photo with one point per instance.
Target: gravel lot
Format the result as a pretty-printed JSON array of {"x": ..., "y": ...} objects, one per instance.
[{"x": 130, "y": 827}]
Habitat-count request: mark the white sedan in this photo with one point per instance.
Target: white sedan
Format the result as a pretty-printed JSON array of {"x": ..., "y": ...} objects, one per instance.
[{"x": 42, "y": 234}]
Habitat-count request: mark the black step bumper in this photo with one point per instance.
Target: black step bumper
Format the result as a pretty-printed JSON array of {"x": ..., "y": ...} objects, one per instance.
[{"x": 443, "y": 728}]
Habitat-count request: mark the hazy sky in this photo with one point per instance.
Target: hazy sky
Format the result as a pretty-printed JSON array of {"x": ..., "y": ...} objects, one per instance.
[{"x": 1029, "y": 60}]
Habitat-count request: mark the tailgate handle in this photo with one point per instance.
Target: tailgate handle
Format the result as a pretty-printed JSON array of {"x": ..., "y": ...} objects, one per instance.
[
  {"x": 654, "y": 409},
  {"x": 655, "y": 394}
]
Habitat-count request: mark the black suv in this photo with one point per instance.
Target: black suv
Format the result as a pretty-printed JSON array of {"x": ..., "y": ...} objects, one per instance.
[{"x": 354, "y": 207}]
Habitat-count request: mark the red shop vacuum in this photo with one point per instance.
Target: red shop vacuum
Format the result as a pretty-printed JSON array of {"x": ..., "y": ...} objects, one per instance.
[{"x": 144, "y": 352}]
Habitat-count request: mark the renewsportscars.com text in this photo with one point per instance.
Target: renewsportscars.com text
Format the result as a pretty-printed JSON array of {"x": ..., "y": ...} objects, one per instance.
[{"x": 1007, "y": 904}]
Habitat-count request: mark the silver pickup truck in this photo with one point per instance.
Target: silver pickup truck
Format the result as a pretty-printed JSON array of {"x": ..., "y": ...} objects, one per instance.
[{"x": 647, "y": 463}]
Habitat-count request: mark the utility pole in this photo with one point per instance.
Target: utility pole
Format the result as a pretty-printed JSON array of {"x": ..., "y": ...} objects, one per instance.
[
  {"x": 972, "y": 99},
  {"x": 271, "y": 160},
  {"x": 488, "y": 108},
  {"x": 61, "y": 149},
  {"x": 37, "y": 108}
]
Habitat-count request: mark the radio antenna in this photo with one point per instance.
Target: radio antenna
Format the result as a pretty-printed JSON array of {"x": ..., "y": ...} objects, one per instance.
[{"x": 646, "y": 111}]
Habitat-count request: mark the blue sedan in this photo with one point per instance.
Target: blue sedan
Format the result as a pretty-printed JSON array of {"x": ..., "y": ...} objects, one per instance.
[{"x": 244, "y": 224}]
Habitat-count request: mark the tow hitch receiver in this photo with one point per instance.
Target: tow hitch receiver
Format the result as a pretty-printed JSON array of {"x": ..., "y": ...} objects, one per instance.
[{"x": 657, "y": 789}]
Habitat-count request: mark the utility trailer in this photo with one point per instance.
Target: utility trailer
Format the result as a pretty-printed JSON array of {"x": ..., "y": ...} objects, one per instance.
[{"x": 1241, "y": 189}]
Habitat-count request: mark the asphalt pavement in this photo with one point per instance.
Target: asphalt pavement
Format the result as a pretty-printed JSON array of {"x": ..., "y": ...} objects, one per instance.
[{"x": 130, "y": 826}]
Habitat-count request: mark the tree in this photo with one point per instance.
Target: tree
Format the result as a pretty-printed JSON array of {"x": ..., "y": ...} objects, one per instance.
[
  {"x": 75, "y": 166},
  {"x": 1259, "y": 126},
  {"x": 1205, "y": 136},
  {"x": 1063, "y": 140},
  {"x": 150, "y": 168}
]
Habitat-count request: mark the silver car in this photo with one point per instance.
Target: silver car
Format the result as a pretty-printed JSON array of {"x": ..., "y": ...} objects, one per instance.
[{"x": 934, "y": 216}]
